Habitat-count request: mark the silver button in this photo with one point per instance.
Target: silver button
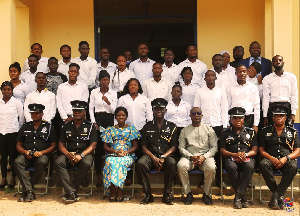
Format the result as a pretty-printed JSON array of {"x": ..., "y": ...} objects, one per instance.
[
  {"x": 33, "y": 142},
  {"x": 239, "y": 149}
]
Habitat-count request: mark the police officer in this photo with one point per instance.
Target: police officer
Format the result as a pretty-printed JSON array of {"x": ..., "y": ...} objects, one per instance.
[
  {"x": 36, "y": 140},
  {"x": 77, "y": 141},
  {"x": 279, "y": 147},
  {"x": 159, "y": 141},
  {"x": 238, "y": 145}
]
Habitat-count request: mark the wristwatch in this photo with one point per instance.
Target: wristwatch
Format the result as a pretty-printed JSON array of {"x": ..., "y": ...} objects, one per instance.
[
  {"x": 288, "y": 158},
  {"x": 82, "y": 155},
  {"x": 246, "y": 154},
  {"x": 162, "y": 157}
]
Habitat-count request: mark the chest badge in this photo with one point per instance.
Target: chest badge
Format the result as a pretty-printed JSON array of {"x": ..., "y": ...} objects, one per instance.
[
  {"x": 85, "y": 130},
  {"x": 269, "y": 134},
  {"x": 248, "y": 136},
  {"x": 289, "y": 134},
  {"x": 44, "y": 130}
]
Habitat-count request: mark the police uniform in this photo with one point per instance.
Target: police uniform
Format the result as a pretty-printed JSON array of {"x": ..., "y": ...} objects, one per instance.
[
  {"x": 35, "y": 140},
  {"x": 239, "y": 173},
  {"x": 157, "y": 142},
  {"x": 76, "y": 140}
]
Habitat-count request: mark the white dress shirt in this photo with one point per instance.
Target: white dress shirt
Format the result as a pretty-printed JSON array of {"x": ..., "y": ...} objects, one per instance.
[
  {"x": 179, "y": 115},
  {"x": 29, "y": 78},
  {"x": 45, "y": 97},
  {"x": 63, "y": 67},
  {"x": 231, "y": 73},
  {"x": 67, "y": 93},
  {"x": 280, "y": 89},
  {"x": 11, "y": 116},
  {"x": 222, "y": 81},
  {"x": 255, "y": 82},
  {"x": 21, "y": 91},
  {"x": 42, "y": 66},
  {"x": 139, "y": 110},
  {"x": 119, "y": 80},
  {"x": 99, "y": 105},
  {"x": 111, "y": 67},
  {"x": 160, "y": 89},
  {"x": 142, "y": 70},
  {"x": 88, "y": 71},
  {"x": 188, "y": 92},
  {"x": 214, "y": 106},
  {"x": 171, "y": 73},
  {"x": 245, "y": 96},
  {"x": 198, "y": 67}
]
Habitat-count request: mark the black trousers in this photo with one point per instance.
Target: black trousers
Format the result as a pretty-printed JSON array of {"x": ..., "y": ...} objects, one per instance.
[
  {"x": 144, "y": 165},
  {"x": 62, "y": 163},
  {"x": 22, "y": 162},
  {"x": 218, "y": 131},
  {"x": 8, "y": 144},
  {"x": 239, "y": 174},
  {"x": 288, "y": 170},
  {"x": 249, "y": 120}
]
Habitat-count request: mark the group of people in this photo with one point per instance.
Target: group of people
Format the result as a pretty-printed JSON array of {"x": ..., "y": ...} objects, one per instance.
[{"x": 151, "y": 113}]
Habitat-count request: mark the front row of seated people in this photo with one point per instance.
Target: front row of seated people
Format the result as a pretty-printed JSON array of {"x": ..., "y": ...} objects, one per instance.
[{"x": 278, "y": 147}]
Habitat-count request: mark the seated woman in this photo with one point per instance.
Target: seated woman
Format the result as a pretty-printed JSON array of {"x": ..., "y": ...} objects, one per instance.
[{"x": 120, "y": 143}]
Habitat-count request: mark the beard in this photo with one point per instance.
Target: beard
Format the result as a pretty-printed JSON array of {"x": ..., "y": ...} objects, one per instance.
[{"x": 278, "y": 67}]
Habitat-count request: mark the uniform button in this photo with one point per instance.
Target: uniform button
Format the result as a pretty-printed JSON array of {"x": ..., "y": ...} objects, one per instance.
[
  {"x": 33, "y": 149},
  {"x": 33, "y": 137},
  {"x": 77, "y": 137},
  {"x": 159, "y": 140},
  {"x": 33, "y": 142},
  {"x": 278, "y": 150},
  {"x": 239, "y": 149}
]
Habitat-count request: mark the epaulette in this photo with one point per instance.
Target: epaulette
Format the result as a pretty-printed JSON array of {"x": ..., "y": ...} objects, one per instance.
[
  {"x": 249, "y": 128},
  {"x": 267, "y": 127},
  {"x": 291, "y": 128}
]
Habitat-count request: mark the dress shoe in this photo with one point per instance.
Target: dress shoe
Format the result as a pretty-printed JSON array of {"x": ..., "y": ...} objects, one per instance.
[
  {"x": 119, "y": 199},
  {"x": 30, "y": 196},
  {"x": 281, "y": 202},
  {"x": 168, "y": 199},
  {"x": 244, "y": 201},
  {"x": 274, "y": 201},
  {"x": 148, "y": 198},
  {"x": 112, "y": 199},
  {"x": 2, "y": 186},
  {"x": 237, "y": 202},
  {"x": 206, "y": 199},
  {"x": 189, "y": 199},
  {"x": 70, "y": 197},
  {"x": 22, "y": 197}
]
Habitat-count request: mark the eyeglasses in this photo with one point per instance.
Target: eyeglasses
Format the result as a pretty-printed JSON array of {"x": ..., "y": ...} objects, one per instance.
[{"x": 197, "y": 113}]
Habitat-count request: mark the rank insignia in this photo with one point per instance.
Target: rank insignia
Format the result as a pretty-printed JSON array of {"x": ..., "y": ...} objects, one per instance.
[
  {"x": 44, "y": 130},
  {"x": 85, "y": 130}
]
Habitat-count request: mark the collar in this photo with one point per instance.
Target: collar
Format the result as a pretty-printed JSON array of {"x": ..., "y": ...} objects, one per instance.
[
  {"x": 79, "y": 59},
  {"x": 173, "y": 65},
  {"x": 258, "y": 58},
  {"x": 188, "y": 61},
  {"x": 139, "y": 60},
  {"x": 44, "y": 90}
]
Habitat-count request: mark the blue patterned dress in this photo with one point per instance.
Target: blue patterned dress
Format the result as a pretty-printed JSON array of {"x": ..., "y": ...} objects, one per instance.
[{"x": 115, "y": 168}]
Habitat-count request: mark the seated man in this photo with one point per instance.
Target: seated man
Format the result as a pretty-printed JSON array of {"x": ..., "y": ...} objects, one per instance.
[
  {"x": 36, "y": 140},
  {"x": 198, "y": 145},
  {"x": 159, "y": 142},
  {"x": 77, "y": 141},
  {"x": 238, "y": 145},
  {"x": 278, "y": 147}
]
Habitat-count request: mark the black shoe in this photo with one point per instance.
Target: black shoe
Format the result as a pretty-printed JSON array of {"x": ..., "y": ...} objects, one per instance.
[
  {"x": 22, "y": 196},
  {"x": 30, "y": 196},
  {"x": 237, "y": 202},
  {"x": 147, "y": 199},
  {"x": 281, "y": 202},
  {"x": 3, "y": 185},
  {"x": 274, "y": 201},
  {"x": 119, "y": 199},
  {"x": 206, "y": 199},
  {"x": 244, "y": 201},
  {"x": 70, "y": 197},
  {"x": 168, "y": 199},
  {"x": 189, "y": 199}
]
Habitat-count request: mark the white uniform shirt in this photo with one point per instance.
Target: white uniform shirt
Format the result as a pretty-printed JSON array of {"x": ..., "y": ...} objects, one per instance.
[
  {"x": 111, "y": 67},
  {"x": 29, "y": 78},
  {"x": 245, "y": 96},
  {"x": 45, "y": 97},
  {"x": 198, "y": 67},
  {"x": 142, "y": 70},
  {"x": 214, "y": 106},
  {"x": 223, "y": 79},
  {"x": 171, "y": 73},
  {"x": 42, "y": 66},
  {"x": 119, "y": 80},
  {"x": 139, "y": 110},
  {"x": 179, "y": 115},
  {"x": 161, "y": 89},
  {"x": 255, "y": 82},
  {"x": 63, "y": 67},
  {"x": 188, "y": 92},
  {"x": 231, "y": 73},
  {"x": 21, "y": 91},
  {"x": 88, "y": 71},
  {"x": 67, "y": 93},
  {"x": 11, "y": 116},
  {"x": 99, "y": 105},
  {"x": 280, "y": 89}
]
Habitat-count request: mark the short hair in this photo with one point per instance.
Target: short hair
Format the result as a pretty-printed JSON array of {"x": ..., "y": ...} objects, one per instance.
[
  {"x": 236, "y": 47},
  {"x": 120, "y": 56},
  {"x": 120, "y": 108},
  {"x": 143, "y": 44},
  {"x": 254, "y": 42},
  {"x": 52, "y": 58},
  {"x": 240, "y": 65},
  {"x": 190, "y": 46},
  {"x": 35, "y": 56},
  {"x": 169, "y": 49},
  {"x": 184, "y": 70},
  {"x": 277, "y": 56},
  {"x": 102, "y": 48},
  {"x": 157, "y": 63},
  {"x": 40, "y": 73},
  {"x": 65, "y": 45},
  {"x": 216, "y": 55},
  {"x": 36, "y": 44},
  {"x": 7, "y": 83},
  {"x": 177, "y": 85},
  {"x": 15, "y": 65},
  {"x": 210, "y": 71},
  {"x": 74, "y": 65},
  {"x": 82, "y": 43},
  {"x": 126, "y": 87}
]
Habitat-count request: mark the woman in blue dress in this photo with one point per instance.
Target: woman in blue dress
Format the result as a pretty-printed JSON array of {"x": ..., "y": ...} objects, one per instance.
[{"x": 120, "y": 143}]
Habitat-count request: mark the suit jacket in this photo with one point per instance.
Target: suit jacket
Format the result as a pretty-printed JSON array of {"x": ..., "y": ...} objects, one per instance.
[{"x": 265, "y": 63}]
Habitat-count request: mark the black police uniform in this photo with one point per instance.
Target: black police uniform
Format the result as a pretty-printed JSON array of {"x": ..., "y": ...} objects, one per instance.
[
  {"x": 157, "y": 142},
  {"x": 239, "y": 173},
  {"x": 278, "y": 147},
  {"x": 34, "y": 140},
  {"x": 76, "y": 140}
]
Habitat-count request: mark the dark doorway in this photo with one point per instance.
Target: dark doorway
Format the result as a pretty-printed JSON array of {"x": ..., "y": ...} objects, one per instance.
[{"x": 123, "y": 24}]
